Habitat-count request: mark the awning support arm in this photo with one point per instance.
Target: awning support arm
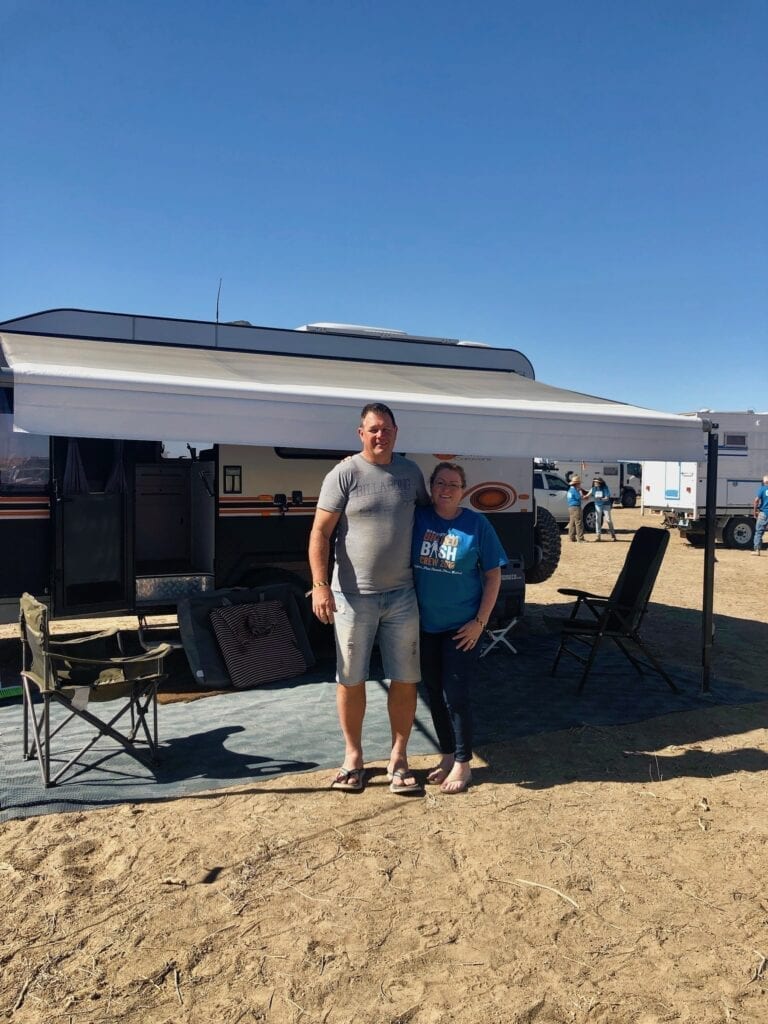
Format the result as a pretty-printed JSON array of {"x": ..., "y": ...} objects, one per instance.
[{"x": 707, "y": 623}]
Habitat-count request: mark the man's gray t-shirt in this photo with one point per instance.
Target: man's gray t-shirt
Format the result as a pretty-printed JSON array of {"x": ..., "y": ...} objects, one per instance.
[{"x": 373, "y": 538}]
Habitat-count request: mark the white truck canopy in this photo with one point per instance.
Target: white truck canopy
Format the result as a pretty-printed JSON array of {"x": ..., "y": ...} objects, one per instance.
[{"x": 155, "y": 386}]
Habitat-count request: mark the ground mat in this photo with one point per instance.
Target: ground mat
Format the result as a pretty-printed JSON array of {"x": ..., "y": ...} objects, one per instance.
[{"x": 253, "y": 735}]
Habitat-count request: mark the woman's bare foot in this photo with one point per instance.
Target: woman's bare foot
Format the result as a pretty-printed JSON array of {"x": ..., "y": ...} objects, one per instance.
[
  {"x": 439, "y": 774},
  {"x": 458, "y": 778}
]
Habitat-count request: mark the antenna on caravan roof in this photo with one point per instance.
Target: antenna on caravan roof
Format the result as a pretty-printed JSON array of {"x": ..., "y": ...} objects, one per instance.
[{"x": 218, "y": 296}]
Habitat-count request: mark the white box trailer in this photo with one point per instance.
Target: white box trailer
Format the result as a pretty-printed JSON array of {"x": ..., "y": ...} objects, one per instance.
[
  {"x": 677, "y": 490},
  {"x": 623, "y": 478}
]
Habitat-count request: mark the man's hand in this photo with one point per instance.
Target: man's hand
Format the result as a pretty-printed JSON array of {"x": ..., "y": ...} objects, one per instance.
[{"x": 323, "y": 604}]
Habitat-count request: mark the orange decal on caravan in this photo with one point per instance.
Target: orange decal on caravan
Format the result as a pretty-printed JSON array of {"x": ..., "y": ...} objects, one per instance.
[{"x": 491, "y": 496}]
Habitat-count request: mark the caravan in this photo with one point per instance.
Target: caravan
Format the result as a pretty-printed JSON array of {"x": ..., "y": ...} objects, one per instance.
[
  {"x": 103, "y": 516},
  {"x": 677, "y": 490}
]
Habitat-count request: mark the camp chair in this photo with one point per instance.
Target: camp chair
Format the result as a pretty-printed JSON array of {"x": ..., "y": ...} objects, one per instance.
[
  {"x": 508, "y": 610},
  {"x": 618, "y": 617},
  {"x": 75, "y": 674}
]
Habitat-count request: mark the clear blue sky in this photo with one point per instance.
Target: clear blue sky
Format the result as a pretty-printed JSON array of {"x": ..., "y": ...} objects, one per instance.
[{"x": 584, "y": 181}]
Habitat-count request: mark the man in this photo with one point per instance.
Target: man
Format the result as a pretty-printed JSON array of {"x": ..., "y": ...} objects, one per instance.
[
  {"x": 575, "y": 520},
  {"x": 761, "y": 514},
  {"x": 370, "y": 497}
]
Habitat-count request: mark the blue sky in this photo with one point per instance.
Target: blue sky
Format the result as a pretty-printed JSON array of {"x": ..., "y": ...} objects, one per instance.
[{"x": 583, "y": 181}]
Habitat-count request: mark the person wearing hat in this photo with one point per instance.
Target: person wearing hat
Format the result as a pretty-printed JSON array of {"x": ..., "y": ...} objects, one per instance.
[
  {"x": 574, "y": 500},
  {"x": 601, "y": 496}
]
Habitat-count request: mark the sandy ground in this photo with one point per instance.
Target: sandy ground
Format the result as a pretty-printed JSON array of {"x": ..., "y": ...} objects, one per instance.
[{"x": 594, "y": 875}]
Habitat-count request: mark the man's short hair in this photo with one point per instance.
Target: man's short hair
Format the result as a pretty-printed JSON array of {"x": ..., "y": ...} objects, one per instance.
[{"x": 379, "y": 409}]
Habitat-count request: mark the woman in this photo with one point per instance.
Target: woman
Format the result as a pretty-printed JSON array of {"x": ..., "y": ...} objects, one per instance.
[
  {"x": 601, "y": 496},
  {"x": 457, "y": 561}
]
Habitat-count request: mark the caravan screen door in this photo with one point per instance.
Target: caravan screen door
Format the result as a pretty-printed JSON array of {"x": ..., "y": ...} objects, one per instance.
[{"x": 93, "y": 563}]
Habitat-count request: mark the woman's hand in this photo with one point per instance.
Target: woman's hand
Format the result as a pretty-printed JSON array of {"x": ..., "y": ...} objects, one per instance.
[
  {"x": 323, "y": 604},
  {"x": 469, "y": 635}
]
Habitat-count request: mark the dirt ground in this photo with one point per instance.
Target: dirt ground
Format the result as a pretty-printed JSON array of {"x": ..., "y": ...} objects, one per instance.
[{"x": 594, "y": 875}]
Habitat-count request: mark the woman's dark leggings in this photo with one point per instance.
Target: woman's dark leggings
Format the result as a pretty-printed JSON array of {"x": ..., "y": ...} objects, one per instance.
[{"x": 447, "y": 676}]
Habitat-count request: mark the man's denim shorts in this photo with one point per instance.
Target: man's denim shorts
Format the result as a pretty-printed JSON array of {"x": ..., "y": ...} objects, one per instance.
[{"x": 393, "y": 616}]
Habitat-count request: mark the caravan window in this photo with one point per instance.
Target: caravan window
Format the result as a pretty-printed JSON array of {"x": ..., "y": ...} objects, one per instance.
[
  {"x": 24, "y": 458},
  {"x": 735, "y": 441}
]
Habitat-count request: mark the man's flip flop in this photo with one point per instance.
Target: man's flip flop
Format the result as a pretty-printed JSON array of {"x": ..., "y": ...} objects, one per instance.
[
  {"x": 400, "y": 788},
  {"x": 349, "y": 779}
]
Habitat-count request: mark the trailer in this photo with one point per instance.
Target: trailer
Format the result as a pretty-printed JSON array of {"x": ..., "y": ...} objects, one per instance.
[
  {"x": 676, "y": 490},
  {"x": 624, "y": 479},
  {"x": 115, "y": 524}
]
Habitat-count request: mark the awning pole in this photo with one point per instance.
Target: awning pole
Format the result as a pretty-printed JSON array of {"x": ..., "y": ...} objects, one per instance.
[{"x": 707, "y": 625}]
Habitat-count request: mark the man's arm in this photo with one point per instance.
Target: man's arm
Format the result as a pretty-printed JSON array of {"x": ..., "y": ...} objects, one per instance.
[{"x": 323, "y": 526}]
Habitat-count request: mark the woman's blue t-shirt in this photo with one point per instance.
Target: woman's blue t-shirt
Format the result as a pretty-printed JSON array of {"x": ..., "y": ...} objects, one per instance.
[
  {"x": 450, "y": 558},
  {"x": 601, "y": 495}
]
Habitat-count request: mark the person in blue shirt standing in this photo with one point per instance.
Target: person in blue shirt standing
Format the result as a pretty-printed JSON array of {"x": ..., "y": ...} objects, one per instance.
[
  {"x": 457, "y": 559},
  {"x": 761, "y": 514},
  {"x": 575, "y": 520},
  {"x": 601, "y": 495}
]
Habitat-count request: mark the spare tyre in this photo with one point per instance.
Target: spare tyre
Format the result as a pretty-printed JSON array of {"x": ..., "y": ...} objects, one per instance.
[{"x": 546, "y": 539}]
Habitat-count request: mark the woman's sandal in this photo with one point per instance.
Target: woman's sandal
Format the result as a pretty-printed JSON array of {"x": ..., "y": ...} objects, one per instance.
[{"x": 351, "y": 780}]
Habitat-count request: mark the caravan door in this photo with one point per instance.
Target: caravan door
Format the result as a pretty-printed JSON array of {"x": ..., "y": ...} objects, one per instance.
[{"x": 92, "y": 509}]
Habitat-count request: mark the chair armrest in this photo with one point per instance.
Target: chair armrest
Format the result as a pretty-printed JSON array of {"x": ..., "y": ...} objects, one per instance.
[
  {"x": 155, "y": 654},
  {"x": 580, "y": 593}
]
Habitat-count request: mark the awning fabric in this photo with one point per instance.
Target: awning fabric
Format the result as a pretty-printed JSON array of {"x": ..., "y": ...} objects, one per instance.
[{"x": 86, "y": 388}]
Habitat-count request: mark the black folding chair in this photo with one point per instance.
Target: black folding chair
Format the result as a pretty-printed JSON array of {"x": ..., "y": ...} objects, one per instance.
[
  {"x": 619, "y": 616},
  {"x": 72, "y": 676}
]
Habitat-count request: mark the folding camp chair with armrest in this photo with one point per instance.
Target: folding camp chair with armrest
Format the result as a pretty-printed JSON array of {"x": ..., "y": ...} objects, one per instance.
[
  {"x": 74, "y": 674},
  {"x": 509, "y": 607},
  {"x": 619, "y": 616}
]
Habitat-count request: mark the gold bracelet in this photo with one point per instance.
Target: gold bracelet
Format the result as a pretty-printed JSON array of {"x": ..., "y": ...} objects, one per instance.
[
  {"x": 478, "y": 619},
  {"x": 321, "y": 583}
]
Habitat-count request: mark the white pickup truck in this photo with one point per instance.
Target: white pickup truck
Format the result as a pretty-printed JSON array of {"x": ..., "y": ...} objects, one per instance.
[{"x": 550, "y": 491}]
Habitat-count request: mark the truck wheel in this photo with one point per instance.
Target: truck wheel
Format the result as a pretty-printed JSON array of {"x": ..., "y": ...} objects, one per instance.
[
  {"x": 589, "y": 518},
  {"x": 739, "y": 533},
  {"x": 628, "y": 498},
  {"x": 546, "y": 539}
]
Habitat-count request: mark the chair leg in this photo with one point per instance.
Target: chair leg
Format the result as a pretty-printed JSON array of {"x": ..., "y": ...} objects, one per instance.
[
  {"x": 656, "y": 664},
  {"x": 558, "y": 656},
  {"x": 628, "y": 655},
  {"x": 589, "y": 662}
]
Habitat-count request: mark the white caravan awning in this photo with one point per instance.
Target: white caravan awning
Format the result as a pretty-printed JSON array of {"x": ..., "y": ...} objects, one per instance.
[{"x": 86, "y": 388}]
